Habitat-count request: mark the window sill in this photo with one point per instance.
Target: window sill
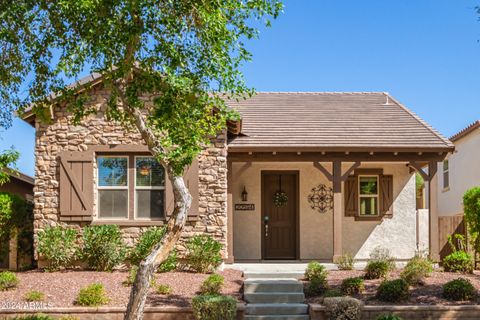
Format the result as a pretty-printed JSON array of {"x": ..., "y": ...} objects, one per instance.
[
  {"x": 130, "y": 223},
  {"x": 370, "y": 218}
]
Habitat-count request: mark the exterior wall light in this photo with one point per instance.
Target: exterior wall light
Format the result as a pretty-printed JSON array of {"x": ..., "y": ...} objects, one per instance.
[{"x": 244, "y": 194}]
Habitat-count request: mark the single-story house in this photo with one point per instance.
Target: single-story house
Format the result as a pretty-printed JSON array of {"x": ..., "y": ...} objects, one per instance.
[{"x": 301, "y": 176}]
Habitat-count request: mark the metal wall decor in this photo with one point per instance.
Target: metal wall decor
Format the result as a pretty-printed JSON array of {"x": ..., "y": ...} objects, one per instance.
[{"x": 321, "y": 198}]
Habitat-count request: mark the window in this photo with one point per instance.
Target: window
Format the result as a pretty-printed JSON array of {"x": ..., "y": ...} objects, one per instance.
[
  {"x": 368, "y": 195},
  {"x": 112, "y": 187},
  {"x": 149, "y": 188},
  {"x": 446, "y": 175}
]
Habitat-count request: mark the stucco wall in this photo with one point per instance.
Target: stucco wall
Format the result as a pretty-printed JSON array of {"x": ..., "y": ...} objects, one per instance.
[
  {"x": 464, "y": 167},
  {"x": 316, "y": 229}
]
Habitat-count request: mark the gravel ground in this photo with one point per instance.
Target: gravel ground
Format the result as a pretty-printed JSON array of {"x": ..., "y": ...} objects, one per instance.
[
  {"x": 428, "y": 294},
  {"x": 61, "y": 288}
]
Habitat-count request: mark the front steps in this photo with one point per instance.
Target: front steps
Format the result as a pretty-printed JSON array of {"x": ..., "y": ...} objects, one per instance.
[{"x": 269, "y": 298}]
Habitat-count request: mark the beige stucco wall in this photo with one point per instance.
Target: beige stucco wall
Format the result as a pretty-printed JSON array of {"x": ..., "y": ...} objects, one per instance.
[
  {"x": 316, "y": 232},
  {"x": 464, "y": 167}
]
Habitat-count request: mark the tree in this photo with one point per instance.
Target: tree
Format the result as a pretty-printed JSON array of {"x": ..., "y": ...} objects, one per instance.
[
  {"x": 186, "y": 53},
  {"x": 471, "y": 209}
]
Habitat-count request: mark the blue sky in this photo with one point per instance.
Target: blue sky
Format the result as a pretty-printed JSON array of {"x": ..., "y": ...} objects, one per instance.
[{"x": 425, "y": 53}]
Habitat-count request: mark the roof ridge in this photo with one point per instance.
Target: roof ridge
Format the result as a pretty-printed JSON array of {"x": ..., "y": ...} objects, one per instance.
[
  {"x": 447, "y": 142},
  {"x": 460, "y": 134}
]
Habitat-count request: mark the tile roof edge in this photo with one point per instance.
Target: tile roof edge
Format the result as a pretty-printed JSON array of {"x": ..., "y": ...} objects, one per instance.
[{"x": 465, "y": 131}]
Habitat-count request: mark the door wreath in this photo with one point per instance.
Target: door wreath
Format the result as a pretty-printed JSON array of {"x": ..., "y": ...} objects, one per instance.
[{"x": 280, "y": 198}]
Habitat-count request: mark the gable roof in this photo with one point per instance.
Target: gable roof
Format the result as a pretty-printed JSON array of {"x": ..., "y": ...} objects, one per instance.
[
  {"x": 466, "y": 131},
  {"x": 19, "y": 176},
  {"x": 333, "y": 121}
]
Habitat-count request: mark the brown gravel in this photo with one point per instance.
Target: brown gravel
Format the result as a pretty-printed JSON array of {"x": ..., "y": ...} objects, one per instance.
[
  {"x": 428, "y": 294},
  {"x": 61, "y": 288}
]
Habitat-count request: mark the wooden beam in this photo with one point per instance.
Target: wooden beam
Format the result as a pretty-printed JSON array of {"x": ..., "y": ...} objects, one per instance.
[
  {"x": 434, "y": 246},
  {"x": 353, "y": 167},
  {"x": 325, "y": 172},
  {"x": 420, "y": 170},
  {"x": 337, "y": 210}
]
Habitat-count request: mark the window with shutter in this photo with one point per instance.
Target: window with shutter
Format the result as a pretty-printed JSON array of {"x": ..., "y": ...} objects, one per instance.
[
  {"x": 351, "y": 196},
  {"x": 386, "y": 194}
]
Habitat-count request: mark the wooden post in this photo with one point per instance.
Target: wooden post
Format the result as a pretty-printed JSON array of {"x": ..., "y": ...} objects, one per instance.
[
  {"x": 230, "y": 258},
  {"x": 337, "y": 209},
  {"x": 433, "y": 211}
]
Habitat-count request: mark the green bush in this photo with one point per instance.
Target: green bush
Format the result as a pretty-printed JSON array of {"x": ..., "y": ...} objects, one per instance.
[
  {"x": 14, "y": 210},
  {"x": 145, "y": 243},
  {"x": 103, "y": 247},
  {"x": 92, "y": 296},
  {"x": 203, "y": 254},
  {"x": 351, "y": 286},
  {"x": 343, "y": 308},
  {"x": 416, "y": 270},
  {"x": 169, "y": 264},
  {"x": 388, "y": 316},
  {"x": 393, "y": 290},
  {"x": 212, "y": 285},
  {"x": 34, "y": 317},
  {"x": 333, "y": 293},
  {"x": 383, "y": 254},
  {"x": 214, "y": 307},
  {"x": 345, "y": 262},
  {"x": 163, "y": 289},
  {"x": 8, "y": 280},
  {"x": 471, "y": 209},
  {"x": 376, "y": 269},
  {"x": 34, "y": 295},
  {"x": 458, "y": 261},
  {"x": 58, "y": 246},
  {"x": 459, "y": 290},
  {"x": 315, "y": 271},
  {"x": 132, "y": 274},
  {"x": 316, "y": 274}
]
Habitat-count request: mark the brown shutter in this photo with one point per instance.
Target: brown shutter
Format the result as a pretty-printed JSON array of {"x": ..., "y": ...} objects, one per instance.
[
  {"x": 351, "y": 196},
  {"x": 76, "y": 185},
  {"x": 386, "y": 194}
]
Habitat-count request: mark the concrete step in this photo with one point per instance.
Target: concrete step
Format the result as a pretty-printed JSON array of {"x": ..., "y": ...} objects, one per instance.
[
  {"x": 278, "y": 317},
  {"x": 272, "y": 285},
  {"x": 273, "y": 275},
  {"x": 274, "y": 297},
  {"x": 276, "y": 309}
]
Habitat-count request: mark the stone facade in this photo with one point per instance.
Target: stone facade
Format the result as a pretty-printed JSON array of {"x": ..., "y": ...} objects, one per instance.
[{"x": 61, "y": 135}]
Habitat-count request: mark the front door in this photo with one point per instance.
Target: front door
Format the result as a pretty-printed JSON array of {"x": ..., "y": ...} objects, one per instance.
[{"x": 279, "y": 214}]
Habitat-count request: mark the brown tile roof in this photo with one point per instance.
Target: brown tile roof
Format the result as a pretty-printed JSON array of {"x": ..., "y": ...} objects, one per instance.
[
  {"x": 462, "y": 133},
  {"x": 332, "y": 121}
]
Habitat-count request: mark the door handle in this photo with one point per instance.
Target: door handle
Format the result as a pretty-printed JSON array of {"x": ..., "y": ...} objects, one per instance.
[{"x": 265, "y": 220}]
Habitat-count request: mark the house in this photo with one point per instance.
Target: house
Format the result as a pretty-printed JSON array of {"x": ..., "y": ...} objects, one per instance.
[
  {"x": 301, "y": 176},
  {"x": 19, "y": 184},
  {"x": 459, "y": 172}
]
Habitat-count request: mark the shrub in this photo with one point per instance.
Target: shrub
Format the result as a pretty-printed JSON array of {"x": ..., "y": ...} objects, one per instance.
[
  {"x": 132, "y": 274},
  {"x": 315, "y": 271},
  {"x": 103, "y": 247},
  {"x": 14, "y": 210},
  {"x": 212, "y": 285},
  {"x": 416, "y": 270},
  {"x": 376, "y": 269},
  {"x": 383, "y": 254},
  {"x": 333, "y": 293},
  {"x": 393, "y": 290},
  {"x": 214, "y": 307},
  {"x": 92, "y": 296},
  {"x": 459, "y": 290},
  {"x": 58, "y": 245},
  {"x": 316, "y": 287},
  {"x": 203, "y": 254},
  {"x": 345, "y": 262},
  {"x": 163, "y": 289},
  {"x": 343, "y": 308},
  {"x": 34, "y": 295},
  {"x": 458, "y": 261},
  {"x": 146, "y": 242},
  {"x": 351, "y": 286},
  {"x": 34, "y": 317},
  {"x": 471, "y": 208},
  {"x": 8, "y": 280},
  {"x": 169, "y": 264},
  {"x": 388, "y": 316}
]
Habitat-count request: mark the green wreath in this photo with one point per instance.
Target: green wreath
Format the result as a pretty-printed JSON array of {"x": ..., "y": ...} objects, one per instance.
[{"x": 280, "y": 199}]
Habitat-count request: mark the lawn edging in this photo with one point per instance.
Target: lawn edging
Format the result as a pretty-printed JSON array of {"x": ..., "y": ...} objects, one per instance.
[
  {"x": 112, "y": 313},
  {"x": 413, "y": 312}
]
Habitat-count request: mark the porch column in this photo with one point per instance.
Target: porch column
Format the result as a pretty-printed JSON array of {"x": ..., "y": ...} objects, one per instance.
[
  {"x": 433, "y": 211},
  {"x": 337, "y": 209},
  {"x": 230, "y": 258}
]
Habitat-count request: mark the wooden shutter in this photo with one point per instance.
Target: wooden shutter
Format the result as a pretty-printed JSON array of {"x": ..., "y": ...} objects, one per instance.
[
  {"x": 76, "y": 185},
  {"x": 386, "y": 194},
  {"x": 351, "y": 196}
]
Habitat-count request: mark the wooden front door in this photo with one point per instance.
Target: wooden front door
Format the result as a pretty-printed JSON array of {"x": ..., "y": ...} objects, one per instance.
[{"x": 279, "y": 220}]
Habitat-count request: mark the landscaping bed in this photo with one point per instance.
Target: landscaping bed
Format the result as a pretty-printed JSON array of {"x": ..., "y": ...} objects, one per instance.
[{"x": 61, "y": 288}]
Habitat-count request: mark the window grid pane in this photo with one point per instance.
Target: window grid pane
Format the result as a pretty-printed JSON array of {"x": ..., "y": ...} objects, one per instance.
[
  {"x": 149, "y": 185},
  {"x": 112, "y": 171}
]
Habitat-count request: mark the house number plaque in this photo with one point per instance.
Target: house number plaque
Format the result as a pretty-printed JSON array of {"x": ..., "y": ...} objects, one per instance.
[{"x": 244, "y": 206}]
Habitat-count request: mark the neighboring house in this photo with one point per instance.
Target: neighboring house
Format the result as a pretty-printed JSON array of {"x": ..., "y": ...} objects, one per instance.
[
  {"x": 19, "y": 184},
  {"x": 459, "y": 172},
  {"x": 302, "y": 176}
]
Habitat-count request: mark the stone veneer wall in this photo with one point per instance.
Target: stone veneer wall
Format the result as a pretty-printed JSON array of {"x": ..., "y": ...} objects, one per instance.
[{"x": 62, "y": 135}]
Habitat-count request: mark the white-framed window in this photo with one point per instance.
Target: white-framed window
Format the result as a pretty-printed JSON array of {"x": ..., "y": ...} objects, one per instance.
[
  {"x": 149, "y": 188},
  {"x": 112, "y": 185},
  {"x": 368, "y": 195},
  {"x": 446, "y": 174}
]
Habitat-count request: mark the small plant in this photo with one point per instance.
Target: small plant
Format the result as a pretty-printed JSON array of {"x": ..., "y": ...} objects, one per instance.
[
  {"x": 69, "y": 318},
  {"x": 351, "y": 286},
  {"x": 388, "y": 316},
  {"x": 103, "y": 247},
  {"x": 418, "y": 268},
  {"x": 459, "y": 290},
  {"x": 458, "y": 261},
  {"x": 376, "y": 269},
  {"x": 316, "y": 274},
  {"x": 146, "y": 242},
  {"x": 58, "y": 246},
  {"x": 34, "y": 317},
  {"x": 393, "y": 290},
  {"x": 163, "y": 289},
  {"x": 333, "y": 293},
  {"x": 345, "y": 262},
  {"x": 315, "y": 270},
  {"x": 92, "y": 296},
  {"x": 214, "y": 307},
  {"x": 132, "y": 274},
  {"x": 32, "y": 296},
  {"x": 345, "y": 308},
  {"x": 170, "y": 264},
  {"x": 212, "y": 285},
  {"x": 203, "y": 254},
  {"x": 8, "y": 280},
  {"x": 383, "y": 254}
]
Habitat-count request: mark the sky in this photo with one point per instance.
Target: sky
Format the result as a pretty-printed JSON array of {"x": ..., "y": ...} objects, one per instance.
[{"x": 426, "y": 53}]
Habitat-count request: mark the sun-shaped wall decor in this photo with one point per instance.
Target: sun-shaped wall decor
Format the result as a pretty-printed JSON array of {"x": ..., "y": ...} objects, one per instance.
[{"x": 321, "y": 198}]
